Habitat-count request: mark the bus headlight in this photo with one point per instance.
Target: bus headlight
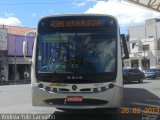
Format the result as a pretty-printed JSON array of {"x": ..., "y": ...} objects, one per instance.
[
  {"x": 40, "y": 85},
  {"x": 103, "y": 88},
  {"x": 111, "y": 85},
  {"x": 95, "y": 89},
  {"x": 54, "y": 90},
  {"x": 48, "y": 88}
]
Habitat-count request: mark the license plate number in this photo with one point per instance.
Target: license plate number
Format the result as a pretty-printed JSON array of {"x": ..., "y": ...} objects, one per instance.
[{"x": 74, "y": 99}]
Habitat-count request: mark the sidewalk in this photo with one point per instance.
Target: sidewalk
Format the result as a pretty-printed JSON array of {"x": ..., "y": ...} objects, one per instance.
[{"x": 12, "y": 82}]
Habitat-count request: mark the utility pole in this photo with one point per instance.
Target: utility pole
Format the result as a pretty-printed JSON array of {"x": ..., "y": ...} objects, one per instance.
[
  {"x": 15, "y": 57},
  {"x": 30, "y": 34},
  {"x": 145, "y": 60}
]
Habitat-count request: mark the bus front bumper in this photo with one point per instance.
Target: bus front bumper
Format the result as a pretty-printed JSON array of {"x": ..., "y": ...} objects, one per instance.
[{"x": 110, "y": 98}]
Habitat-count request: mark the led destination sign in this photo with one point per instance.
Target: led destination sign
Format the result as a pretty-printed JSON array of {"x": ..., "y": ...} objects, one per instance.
[{"x": 76, "y": 23}]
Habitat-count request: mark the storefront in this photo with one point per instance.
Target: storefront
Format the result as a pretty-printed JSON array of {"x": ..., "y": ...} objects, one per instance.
[
  {"x": 140, "y": 62},
  {"x": 20, "y": 69},
  {"x": 17, "y": 70}
]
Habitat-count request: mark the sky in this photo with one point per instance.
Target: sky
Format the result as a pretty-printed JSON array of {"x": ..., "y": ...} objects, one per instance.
[{"x": 26, "y": 13}]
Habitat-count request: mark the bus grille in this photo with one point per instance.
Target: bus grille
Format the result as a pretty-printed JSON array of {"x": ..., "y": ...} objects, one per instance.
[
  {"x": 64, "y": 90},
  {"x": 85, "y": 102}
]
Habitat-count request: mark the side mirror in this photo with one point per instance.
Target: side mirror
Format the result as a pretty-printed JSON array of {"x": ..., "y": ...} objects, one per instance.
[
  {"x": 25, "y": 48},
  {"x": 124, "y": 47},
  {"x": 25, "y": 51}
]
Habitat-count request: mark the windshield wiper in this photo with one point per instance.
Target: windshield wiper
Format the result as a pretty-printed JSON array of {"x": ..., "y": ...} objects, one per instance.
[{"x": 84, "y": 44}]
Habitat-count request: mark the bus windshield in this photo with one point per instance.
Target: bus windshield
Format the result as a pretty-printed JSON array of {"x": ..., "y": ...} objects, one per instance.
[
  {"x": 71, "y": 52},
  {"x": 77, "y": 47}
]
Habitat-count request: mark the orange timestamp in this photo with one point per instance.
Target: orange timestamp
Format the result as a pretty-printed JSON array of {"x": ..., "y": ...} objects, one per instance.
[{"x": 138, "y": 110}]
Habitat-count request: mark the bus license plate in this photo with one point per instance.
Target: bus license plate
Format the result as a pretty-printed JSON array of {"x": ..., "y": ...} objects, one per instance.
[{"x": 74, "y": 99}]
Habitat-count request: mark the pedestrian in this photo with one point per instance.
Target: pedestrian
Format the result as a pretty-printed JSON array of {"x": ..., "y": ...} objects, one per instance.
[
  {"x": 3, "y": 77},
  {"x": 26, "y": 76}
]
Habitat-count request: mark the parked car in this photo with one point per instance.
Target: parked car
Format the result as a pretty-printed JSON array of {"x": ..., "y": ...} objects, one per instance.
[
  {"x": 132, "y": 75},
  {"x": 152, "y": 73}
]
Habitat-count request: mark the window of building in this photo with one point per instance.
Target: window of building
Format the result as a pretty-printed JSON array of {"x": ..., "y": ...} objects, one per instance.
[
  {"x": 133, "y": 44},
  {"x": 134, "y": 64},
  {"x": 158, "y": 44},
  {"x": 150, "y": 36},
  {"x": 145, "y": 64},
  {"x": 145, "y": 47}
]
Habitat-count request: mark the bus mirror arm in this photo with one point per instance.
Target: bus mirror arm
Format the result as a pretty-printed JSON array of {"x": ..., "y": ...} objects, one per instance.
[
  {"x": 126, "y": 56},
  {"x": 29, "y": 60},
  {"x": 25, "y": 52}
]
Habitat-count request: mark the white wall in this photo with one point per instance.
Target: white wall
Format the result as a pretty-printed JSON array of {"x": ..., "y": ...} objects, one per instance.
[{"x": 152, "y": 54}]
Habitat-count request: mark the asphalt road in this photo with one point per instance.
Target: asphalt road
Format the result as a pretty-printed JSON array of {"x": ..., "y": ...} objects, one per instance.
[{"x": 139, "y": 99}]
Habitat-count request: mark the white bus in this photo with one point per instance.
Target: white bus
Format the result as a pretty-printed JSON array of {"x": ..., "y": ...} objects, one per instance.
[{"x": 77, "y": 62}]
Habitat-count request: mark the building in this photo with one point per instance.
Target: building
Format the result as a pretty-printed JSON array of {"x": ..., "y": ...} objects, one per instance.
[
  {"x": 12, "y": 62},
  {"x": 144, "y": 45}
]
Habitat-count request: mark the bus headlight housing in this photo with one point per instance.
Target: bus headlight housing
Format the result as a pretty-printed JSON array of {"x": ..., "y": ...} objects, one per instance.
[{"x": 111, "y": 85}]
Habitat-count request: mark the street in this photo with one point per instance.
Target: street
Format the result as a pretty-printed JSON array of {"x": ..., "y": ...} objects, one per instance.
[{"x": 139, "y": 100}]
